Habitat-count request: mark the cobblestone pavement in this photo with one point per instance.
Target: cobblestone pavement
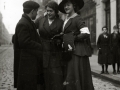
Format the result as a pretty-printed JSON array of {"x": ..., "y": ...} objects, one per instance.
[
  {"x": 100, "y": 84},
  {"x": 6, "y": 68},
  {"x": 6, "y": 71}
]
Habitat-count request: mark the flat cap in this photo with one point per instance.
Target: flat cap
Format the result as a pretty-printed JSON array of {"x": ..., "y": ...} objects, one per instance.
[
  {"x": 30, "y": 5},
  {"x": 79, "y": 4}
]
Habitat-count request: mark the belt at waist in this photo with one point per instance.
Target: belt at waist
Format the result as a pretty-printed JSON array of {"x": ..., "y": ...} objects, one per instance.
[{"x": 46, "y": 40}]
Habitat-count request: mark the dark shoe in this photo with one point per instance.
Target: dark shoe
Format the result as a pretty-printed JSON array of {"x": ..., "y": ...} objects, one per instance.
[
  {"x": 106, "y": 72},
  {"x": 102, "y": 72},
  {"x": 114, "y": 72},
  {"x": 118, "y": 72}
]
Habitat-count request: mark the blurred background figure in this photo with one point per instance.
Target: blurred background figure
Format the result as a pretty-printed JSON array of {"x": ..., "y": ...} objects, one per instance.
[
  {"x": 103, "y": 45},
  {"x": 13, "y": 37},
  {"x": 114, "y": 49}
]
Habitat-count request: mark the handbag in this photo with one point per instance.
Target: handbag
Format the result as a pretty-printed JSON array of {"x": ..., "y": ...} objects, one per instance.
[{"x": 68, "y": 40}]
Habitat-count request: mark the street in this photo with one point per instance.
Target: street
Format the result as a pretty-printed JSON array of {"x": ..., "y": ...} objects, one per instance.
[{"x": 6, "y": 72}]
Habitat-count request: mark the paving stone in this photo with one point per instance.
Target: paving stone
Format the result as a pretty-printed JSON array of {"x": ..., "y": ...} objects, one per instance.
[
  {"x": 99, "y": 84},
  {"x": 6, "y": 70}
]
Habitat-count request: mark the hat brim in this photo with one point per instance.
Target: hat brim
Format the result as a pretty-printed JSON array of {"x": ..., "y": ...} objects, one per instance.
[{"x": 79, "y": 3}]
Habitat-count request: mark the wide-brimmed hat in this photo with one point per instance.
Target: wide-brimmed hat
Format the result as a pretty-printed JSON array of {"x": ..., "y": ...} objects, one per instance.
[{"x": 79, "y": 3}]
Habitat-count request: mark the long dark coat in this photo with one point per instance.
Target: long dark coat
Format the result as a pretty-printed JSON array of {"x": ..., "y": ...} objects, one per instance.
[
  {"x": 114, "y": 47},
  {"x": 103, "y": 45},
  {"x": 119, "y": 49},
  {"x": 51, "y": 52},
  {"x": 27, "y": 55},
  {"x": 78, "y": 68}
]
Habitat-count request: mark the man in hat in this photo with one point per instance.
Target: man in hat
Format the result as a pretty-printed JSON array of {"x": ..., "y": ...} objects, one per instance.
[{"x": 27, "y": 49}]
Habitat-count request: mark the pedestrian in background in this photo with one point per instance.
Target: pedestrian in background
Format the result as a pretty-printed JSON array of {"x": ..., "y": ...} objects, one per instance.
[
  {"x": 49, "y": 26},
  {"x": 119, "y": 27},
  {"x": 77, "y": 41},
  {"x": 103, "y": 44},
  {"x": 27, "y": 49},
  {"x": 13, "y": 37},
  {"x": 114, "y": 48},
  {"x": 118, "y": 67}
]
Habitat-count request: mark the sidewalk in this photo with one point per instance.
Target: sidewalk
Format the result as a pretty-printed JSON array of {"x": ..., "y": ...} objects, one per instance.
[{"x": 96, "y": 69}]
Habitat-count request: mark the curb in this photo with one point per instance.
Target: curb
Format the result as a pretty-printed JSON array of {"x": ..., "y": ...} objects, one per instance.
[{"x": 107, "y": 77}]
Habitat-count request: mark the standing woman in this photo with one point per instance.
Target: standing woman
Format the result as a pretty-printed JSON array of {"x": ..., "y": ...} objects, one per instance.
[
  {"x": 114, "y": 48},
  {"x": 78, "y": 67},
  {"x": 103, "y": 44},
  {"x": 49, "y": 26}
]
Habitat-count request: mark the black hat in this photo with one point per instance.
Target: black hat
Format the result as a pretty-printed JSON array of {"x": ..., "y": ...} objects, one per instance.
[
  {"x": 79, "y": 3},
  {"x": 30, "y": 5}
]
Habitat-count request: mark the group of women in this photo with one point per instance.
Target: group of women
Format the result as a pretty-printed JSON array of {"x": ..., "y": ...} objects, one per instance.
[
  {"x": 72, "y": 72},
  {"x": 109, "y": 50}
]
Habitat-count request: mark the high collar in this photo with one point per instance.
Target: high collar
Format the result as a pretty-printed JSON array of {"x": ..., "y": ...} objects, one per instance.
[
  {"x": 72, "y": 16},
  {"x": 26, "y": 16},
  {"x": 29, "y": 19}
]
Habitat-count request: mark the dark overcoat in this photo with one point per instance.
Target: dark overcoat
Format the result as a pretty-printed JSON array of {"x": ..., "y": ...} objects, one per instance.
[
  {"x": 114, "y": 47},
  {"x": 103, "y": 45},
  {"x": 119, "y": 49},
  {"x": 27, "y": 54},
  {"x": 51, "y": 52}
]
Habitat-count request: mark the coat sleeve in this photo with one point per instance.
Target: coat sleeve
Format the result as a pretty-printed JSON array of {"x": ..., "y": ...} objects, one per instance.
[
  {"x": 111, "y": 37},
  {"x": 13, "y": 37},
  {"x": 81, "y": 24},
  {"x": 109, "y": 40},
  {"x": 25, "y": 40},
  {"x": 37, "y": 21},
  {"x": 99, "y": 41}
]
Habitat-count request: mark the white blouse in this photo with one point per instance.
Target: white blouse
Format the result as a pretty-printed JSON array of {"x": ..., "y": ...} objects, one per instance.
[
  {"x": 50, "y": 21},
  {"x": 68, "y": 18}
]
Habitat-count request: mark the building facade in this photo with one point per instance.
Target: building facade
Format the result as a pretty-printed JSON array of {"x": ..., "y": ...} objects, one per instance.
[
  {"x": 107, "y": 14},
  {"x": 88, "y": 13},
  {"x": 118, "y": 11},
  {"x": 99, "y": 13},
  {"x": 4, "y": 34}
]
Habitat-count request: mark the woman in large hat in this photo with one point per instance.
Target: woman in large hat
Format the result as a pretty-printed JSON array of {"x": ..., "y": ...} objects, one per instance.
[{"x": 78, "y": 67}]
